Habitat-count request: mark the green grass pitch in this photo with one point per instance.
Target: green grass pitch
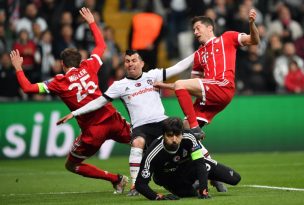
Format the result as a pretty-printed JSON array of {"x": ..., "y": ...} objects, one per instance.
[{"x": 45, "y": 181}]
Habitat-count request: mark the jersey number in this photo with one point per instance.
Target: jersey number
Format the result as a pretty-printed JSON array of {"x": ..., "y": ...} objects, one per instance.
[{"x": 90, "y": 87}]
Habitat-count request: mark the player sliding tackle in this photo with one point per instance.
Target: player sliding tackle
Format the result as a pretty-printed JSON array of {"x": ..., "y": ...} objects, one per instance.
[{"x": 76, "y": 88}]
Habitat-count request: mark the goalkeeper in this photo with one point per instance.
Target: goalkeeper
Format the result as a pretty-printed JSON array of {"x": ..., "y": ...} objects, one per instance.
[{"x": 175, "y": 161}]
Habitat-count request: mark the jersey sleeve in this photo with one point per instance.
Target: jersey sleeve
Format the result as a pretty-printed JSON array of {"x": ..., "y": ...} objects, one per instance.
[
  {"x": 51, "y": 85},
  {"x": 93, "y": 63},
  {"x": 145, "y": 173},
  {"x": 114, "y": 91},
  {"x": 233, "y": 37},
  {"x": 198, "y": 160},
  {"x": 159, "y": 74}
]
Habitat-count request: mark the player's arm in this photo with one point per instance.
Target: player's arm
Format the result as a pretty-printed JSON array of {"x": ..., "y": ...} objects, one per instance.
[
  {"x": 89, "y": 107},
  {"x": 25, "y": 84},
  {"x": 142, "y": 185},
  {"x": 179, "y": 67},
  {"x": 174, "y": 70},
  {"x": 99, "y": 40},
  {"x": 253, "y": 38},
  {"x": 199, "y": 163}
]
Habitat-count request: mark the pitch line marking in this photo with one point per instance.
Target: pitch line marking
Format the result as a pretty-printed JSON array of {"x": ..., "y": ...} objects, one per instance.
[{"x": 274, "y": 187}]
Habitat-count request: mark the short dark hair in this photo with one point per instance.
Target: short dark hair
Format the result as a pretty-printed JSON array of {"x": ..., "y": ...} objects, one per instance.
[
  {"x": 70, "y": 57},
  {"x": 173, "y": 125},
  {"x": 204, "y": 20},
  {"x": 130, "y": 52}
]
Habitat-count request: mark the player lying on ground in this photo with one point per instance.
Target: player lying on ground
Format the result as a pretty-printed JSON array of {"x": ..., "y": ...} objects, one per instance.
[{"x": 175, "y": 161}]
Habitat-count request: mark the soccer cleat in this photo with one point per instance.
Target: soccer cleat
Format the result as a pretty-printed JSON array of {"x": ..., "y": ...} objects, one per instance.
[
  {"x": 120, "y": 185},
  {"x": 133, "y": 191},
  {"x": 198, "y": 133},
  {"x": 220, "y": 187}
]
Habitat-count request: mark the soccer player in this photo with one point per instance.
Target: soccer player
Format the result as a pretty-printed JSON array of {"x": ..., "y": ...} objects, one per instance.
[
  {"x": 76, "y": 88},
  {"x": 142, "y": 101},
  {"x": 176, "y": 162},
  {"x": 213, "y": 71},
  {"x": 213, "y": 74}
]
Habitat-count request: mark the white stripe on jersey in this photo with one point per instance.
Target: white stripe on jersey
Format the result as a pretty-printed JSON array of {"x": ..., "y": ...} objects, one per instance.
[
  {"x": 152, "y": 154},
  {"x": 213, "y": 56},
  {"x": 203, "y": 92},
  {"x": 97, "y": 57},
  {"x": 224, "y": 54},
  {"x": 192, "y": 138},
  {"x": 211, "y": 81}
]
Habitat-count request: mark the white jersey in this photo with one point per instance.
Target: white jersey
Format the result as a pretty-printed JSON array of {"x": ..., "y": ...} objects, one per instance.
[{"x": 141, "y": 99}]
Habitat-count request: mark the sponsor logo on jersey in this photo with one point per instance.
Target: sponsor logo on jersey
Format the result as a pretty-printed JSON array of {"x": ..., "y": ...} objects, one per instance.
[
  {"x": 150, "y": 82},
  {"x": 176, "y": 158},
  {"x": 137, "y": 84},
  {"x": 145, "y": 173},
  {"x": 143, "y": 91}
]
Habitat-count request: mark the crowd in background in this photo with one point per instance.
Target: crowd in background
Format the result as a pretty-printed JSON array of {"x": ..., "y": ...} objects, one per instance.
[{"x": 41, "y": 29}]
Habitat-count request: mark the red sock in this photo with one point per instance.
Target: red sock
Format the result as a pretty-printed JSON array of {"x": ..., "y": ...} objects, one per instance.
[
  {"x": 91, "y": 171},
  {"x": 185, "y": 101}
]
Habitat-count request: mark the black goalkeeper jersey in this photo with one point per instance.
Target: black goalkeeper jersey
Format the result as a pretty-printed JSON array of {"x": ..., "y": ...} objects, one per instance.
[{"x": 159, "y": 161}]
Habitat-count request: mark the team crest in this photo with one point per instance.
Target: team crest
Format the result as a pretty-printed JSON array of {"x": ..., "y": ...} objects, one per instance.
[
  {"x": 176, "y": 158},
  {"x": 145, "y": 173},
  {"x": 150, "y": 82},
  {"x": 137, "y": 84}
]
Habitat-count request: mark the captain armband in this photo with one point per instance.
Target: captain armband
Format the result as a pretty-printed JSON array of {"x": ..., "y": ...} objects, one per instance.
[
  {"x": 41, "y": 88},
  {"x": 197, "y": 154}
]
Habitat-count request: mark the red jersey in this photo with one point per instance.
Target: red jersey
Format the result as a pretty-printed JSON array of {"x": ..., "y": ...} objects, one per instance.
[
  {"x": 80, "y": 86},
  {"x": 216, "y": 59}
]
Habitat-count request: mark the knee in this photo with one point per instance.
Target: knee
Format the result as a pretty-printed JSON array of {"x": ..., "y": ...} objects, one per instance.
[
  {"x": 236, "y": 179},
  {"x": 70, "y": 166},
  {"x": 138, "y": 142}
]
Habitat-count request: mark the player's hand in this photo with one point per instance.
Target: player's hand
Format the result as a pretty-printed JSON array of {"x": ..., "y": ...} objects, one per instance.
[
  {"x": 65, "y": 119},
  {"x": 167, "y": 197},
  {"x": 87, "y": 15},
  {"x": 160, "y": 85},
  {"x": 16, "y": 59},
  {"x": 252, "y": 15},
  {"x": 203, "y": 194}
]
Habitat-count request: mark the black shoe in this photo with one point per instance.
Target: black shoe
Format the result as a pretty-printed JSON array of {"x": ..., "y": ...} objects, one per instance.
[
  {"x": 198, "y": 133},
  {"x": 220, "y": 187}
]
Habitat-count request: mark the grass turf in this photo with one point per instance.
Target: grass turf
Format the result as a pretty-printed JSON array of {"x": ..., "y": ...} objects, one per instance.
[{"x": 45, "y": 181}]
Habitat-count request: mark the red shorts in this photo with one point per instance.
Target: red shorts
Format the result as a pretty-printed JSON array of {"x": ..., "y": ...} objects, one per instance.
[
  {"x": 91, "y": 138},
  {"x": 216, "y": 95}
]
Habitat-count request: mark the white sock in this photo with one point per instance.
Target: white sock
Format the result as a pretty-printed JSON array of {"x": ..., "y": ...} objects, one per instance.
[{"x": 134, "y": 162}]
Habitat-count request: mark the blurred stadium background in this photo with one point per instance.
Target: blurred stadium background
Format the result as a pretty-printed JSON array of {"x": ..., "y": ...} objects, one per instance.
[{"x": 266, "y": 115}]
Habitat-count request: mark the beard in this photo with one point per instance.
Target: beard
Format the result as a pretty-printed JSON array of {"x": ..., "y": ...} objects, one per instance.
[{"x": 172, "y": 149}]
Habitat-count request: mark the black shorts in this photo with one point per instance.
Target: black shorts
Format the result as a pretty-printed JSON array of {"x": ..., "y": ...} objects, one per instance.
[{"x": 149, "y": 132}]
